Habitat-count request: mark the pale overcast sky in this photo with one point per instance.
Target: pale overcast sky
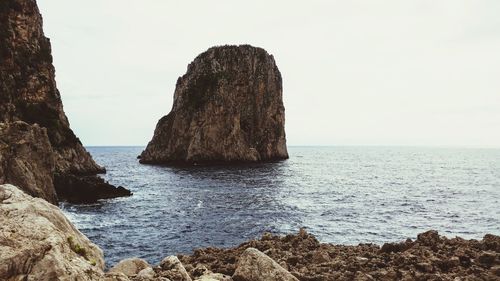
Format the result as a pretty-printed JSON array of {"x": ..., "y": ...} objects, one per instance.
[{"x": 354, "y": 72}]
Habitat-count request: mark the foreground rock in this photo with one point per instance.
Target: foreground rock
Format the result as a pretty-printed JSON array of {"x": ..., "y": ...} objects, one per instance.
[
  {"x": 430, "y": 257},
  {"x": 26, "y": 159},
  {"x": 28, "y": 93},
  {"x": 37, "y": 242},
  {"x": 254, "y": 265},
  {"x": 227, "y": 107}
]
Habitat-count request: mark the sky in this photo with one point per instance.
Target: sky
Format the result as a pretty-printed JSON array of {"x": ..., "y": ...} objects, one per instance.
[{"x": 390, "y": 72}]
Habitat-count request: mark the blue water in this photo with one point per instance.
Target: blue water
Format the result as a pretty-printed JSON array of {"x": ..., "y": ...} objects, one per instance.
[{"x": 342, "y": 195}]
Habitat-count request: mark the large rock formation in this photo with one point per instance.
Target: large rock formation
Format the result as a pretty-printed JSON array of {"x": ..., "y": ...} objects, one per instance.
[
  {"x": 28, "y": 93},
  {"x": 37, "y": 242},
  {"x": 227, "y": 107},
  {"x": 27, "y": 84}
]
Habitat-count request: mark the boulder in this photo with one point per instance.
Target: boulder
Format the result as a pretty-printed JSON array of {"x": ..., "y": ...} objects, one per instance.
[
  {"x": 253, "y": 265},
  {"x": 37, "y": 242},
  {"x": 130, "y": 267},
  {"x": 228, "y": 107},
  {"x": 27, "y": 159},
  {"x": 173, "y": 269}
]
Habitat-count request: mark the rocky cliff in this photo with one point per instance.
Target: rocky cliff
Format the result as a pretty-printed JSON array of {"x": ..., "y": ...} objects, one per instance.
[
  {"x": 37, "y": 147},
  {"x": 227, "y": 107},
  {"x": 27, "y": 84}
]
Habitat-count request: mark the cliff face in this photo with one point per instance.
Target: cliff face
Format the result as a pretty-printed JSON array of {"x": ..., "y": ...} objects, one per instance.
[
  {"x": 27, "y": 84},
  {"x": 227, "y": 107},
  {"x": 26, "y": 159}
]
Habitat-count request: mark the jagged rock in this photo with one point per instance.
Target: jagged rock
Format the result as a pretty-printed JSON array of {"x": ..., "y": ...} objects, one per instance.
[
  {"x": 173, "y": 269},
  {"x": 434, "y": 257},
  {"x": 130, "y": 267},
  {"x": 28, "y": 89},
  {"x": 37, "y": 242},
  {"x": 86, "y": 189},
  {"x": 227, "y": 107},
  {"x": 26, "y": 159},
  {"x": 254, "y": 265}
]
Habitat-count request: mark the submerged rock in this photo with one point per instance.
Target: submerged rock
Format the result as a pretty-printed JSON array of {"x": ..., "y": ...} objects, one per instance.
[
  {"x": 26, "y": 159},
  {"x": 37, "y": 242},
  {"x": 227, "y": 107}
]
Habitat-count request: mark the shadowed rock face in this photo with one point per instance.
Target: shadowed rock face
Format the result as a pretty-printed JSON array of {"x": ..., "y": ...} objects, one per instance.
[
  {"x": 26, "y": 159},
  {"x": 27, "y": 85},
  {"x": 228, "y": 107}
]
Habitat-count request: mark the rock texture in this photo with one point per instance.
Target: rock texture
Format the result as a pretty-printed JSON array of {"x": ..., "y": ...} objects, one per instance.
[
  {"x": 30, "y": 158},
  {"x": 227, "y": 107},
  {"x": 28, "y": 89},
  {"x": 429, "y": 257},
  {"x": 26, "y": 159},
  {"x": 254, "y": 265},
  {"x": 37, "y": 242}
]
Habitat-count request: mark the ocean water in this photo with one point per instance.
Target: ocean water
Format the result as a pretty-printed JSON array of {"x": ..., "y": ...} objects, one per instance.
[{"x": 345, "y": 195}]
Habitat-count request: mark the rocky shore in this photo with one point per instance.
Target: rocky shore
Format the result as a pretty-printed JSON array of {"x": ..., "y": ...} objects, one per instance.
[{"x": 37, "y": 242}]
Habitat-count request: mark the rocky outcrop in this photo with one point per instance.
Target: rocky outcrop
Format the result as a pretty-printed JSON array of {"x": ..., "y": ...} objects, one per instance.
[
  {"x": 28, "y": 93},
  {"x": 26, "y": 159},
  {"x": 227, "y": 107},
  {"x": 37, "y": 242},
  {"x": 28, "y": 89},
  {"x": 429, "y": 257}
]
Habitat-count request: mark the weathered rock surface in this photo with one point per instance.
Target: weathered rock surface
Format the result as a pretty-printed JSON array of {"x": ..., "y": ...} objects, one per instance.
[
  {"x": 28, "y": 89},
  {"x": 173, "y": 269},
  {"x": 430, "y": 257},
  {"x": 37, "y": 242},
  {"x": 26, "y": 159},
  {"x": 227, "y": 107},
  {"x": 86, "y": 189},
  {"x": 130, "y": 267},
  {"x": 28, "y": 93},
  {"x": 253, "y": 265}
]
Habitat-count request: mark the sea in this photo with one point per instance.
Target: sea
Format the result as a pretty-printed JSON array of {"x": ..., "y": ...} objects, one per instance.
[{"x": 341, "y": 194}]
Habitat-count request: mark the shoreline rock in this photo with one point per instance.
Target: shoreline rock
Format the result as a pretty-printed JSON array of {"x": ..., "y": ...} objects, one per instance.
[
  {"x": 228, "y": 107},
  {"x": 37, "y": 242}
]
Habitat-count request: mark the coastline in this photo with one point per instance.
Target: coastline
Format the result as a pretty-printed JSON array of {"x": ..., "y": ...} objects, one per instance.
[{"x": 38, "y": 241}]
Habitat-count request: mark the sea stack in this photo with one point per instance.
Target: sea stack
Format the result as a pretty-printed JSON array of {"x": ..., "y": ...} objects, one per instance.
[
  {"x": 36, "y": 141},
  {"x": 228, "y": 107}
]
